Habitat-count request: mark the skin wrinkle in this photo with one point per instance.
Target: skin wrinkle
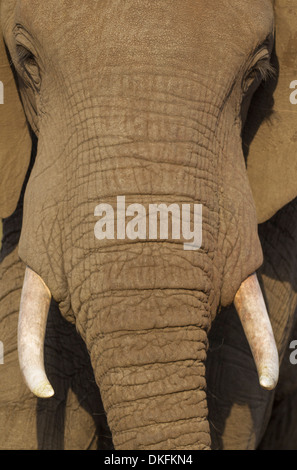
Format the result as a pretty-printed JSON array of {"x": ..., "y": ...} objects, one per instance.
[
  {"x": 154, "y": 424},
  {"x": 203, "y": 321},
  {"x": 123, "y": 379},
  {"x": 174, "y": 443},
  {"x": 152, "y": 398},
  {"x": 145, "y": 100},
  {"x": 147, "y": 403}
]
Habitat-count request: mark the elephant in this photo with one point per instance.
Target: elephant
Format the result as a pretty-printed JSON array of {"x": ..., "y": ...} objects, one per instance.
[{"x": 148, "y": 342}]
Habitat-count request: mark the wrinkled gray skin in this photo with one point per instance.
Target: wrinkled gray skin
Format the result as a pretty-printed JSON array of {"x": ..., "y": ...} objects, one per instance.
[{"x": 75, "y": 419}]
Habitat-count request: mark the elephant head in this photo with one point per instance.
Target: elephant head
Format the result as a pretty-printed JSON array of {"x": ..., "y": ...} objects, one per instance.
[{"x": 145, "y": 100}]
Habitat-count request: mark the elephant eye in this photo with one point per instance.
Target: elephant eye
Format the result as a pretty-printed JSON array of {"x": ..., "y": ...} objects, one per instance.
[
  {"x": 29, "y": 68},
  {"x": 259, "y": 70}
]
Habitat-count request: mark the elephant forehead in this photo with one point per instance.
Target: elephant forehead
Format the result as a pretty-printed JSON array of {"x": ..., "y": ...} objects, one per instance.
[{"x": 154, "y": 29}]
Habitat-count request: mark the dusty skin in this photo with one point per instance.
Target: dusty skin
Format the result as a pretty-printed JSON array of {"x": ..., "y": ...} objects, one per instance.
[{"x": 157, "y": 102}]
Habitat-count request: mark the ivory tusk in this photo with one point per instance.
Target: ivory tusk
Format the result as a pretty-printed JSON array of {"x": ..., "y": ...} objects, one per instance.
[
  {"x": 251, "y": 308},
  {"x": 35, "y": 302}
]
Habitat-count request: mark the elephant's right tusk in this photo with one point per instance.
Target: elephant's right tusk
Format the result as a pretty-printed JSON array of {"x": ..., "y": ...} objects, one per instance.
[
  {"x": 250, "y": 305},
  {"x": 35, "y": 302}
]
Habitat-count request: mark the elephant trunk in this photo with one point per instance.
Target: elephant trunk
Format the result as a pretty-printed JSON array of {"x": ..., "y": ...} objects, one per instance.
[{"x": 152, "y": 377}]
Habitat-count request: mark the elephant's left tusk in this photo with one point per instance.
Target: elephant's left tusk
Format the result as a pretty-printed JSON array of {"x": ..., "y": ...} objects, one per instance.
[
  {"x": 250, "y": 305},
  {"x": 35, "y": 302}
]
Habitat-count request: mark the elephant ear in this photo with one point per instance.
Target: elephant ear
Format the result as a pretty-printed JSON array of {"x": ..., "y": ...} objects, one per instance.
[
  {"x": 15, "y": 140},
  {"x": 270, "y": 133}
]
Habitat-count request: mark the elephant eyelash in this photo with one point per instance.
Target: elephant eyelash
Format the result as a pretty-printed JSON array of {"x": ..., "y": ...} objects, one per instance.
[
  {"x": 24, "y": 55},
  {"x": 261, "y": 71},
  {"x": 28, "y": 67},
  {"x": 265, "y": 69}
]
